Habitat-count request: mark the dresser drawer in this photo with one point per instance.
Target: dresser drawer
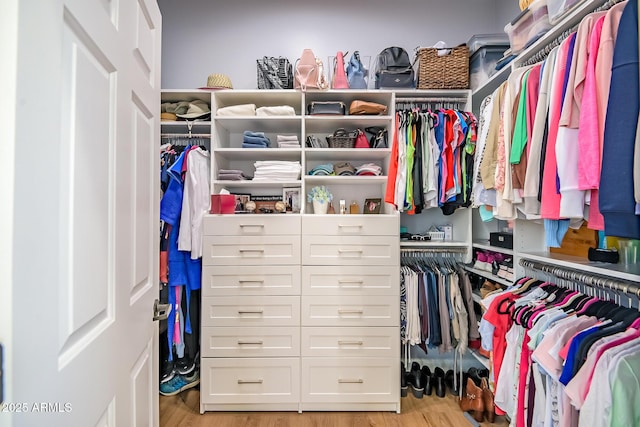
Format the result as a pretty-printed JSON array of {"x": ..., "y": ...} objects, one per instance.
[
  {"x": 251, "y": 250},
  {"x": 251, "y": 225},
  {"x": 351, "y": 280},
  {"x": 250, "y": 342},
  {"x": 275, "y": 380},
  {"x": 350, "y": 250},
  {"x": 350, "y": 341},
  {"x": 350, "y": 380},
  {"x": 351, "y": 225},
  {"x": 350, "y": 311},
  {"x": 251, "y": 311},
  {"x": 250, "y": 280}
]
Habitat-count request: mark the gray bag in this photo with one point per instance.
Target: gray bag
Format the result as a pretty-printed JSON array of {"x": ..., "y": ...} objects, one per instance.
[{"x": 274, "y": 73}]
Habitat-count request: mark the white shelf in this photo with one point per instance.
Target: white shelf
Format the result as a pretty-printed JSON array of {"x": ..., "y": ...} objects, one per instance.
[
  {"x": 352, "y": 180},
  {"x": 256, "y": 184},
  {"x": 485, "y": 362},
  {"x": 483, "y": 244},
  {"x": 274, "y": 124},
  {"x": 292, "y": 154},
  {"x": 488, "y": 275},
  {"x": 432, "y": 244},
  {"x": 615, "y": 271},
  {"x": 339, "y": 154},
  {"x": 327, "y": 124},
  {"x": 490, "y": 85},
  {"x": 261, "y": 98}
]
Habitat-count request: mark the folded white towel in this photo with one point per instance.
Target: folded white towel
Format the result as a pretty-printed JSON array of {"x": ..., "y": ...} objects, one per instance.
[
  {"x": 278, "y": 110},
  {"x": 287, "y": 138},
  {"x": 237, "y": 110}
]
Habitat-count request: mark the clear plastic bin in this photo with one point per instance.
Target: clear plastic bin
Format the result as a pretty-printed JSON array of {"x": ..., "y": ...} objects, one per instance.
[
  {"x": 481, "y": 40},
  {"x": 528, "y": 26},
  {"x": 482, "y": 64},
  {"x": 558, "y": 9}
]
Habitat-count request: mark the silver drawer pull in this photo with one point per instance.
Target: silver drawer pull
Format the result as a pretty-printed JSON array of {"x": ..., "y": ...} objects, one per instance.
[
  {"x": 350, "y": 225},
  {"x": 251, "y": 225},
  {"x": 249, "y": 381},
  {"x": 350, "y": 311},
  {"x": 350, "y": 381},
  {"x": 250, "y": 250},
  {"x": 250, "y": 311},
  {"x": 350, "y": 343},
  {"x": 258, "y": 342}
]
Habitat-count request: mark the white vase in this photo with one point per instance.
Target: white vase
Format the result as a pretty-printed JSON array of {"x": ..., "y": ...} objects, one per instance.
[{"x": 320, "y": 207}]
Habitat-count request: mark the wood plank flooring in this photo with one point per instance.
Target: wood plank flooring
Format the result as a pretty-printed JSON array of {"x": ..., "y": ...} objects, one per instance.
[{"x": 183, "y": 410}]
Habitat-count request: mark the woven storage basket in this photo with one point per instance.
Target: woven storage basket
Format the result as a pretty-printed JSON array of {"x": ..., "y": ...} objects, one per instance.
[
  {"x": 443, "y": 72},
  {"x": 342, "y": 139}
]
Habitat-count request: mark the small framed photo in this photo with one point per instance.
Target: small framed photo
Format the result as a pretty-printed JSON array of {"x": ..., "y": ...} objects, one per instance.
[
  {"x": 372, "y": 206},
  {"x": 241, "y": 202},
  {"x": 292, "y": 198}
]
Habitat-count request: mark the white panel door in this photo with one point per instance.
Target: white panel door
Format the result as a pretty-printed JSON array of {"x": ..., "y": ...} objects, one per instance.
[{"x": 86, "y": 213}]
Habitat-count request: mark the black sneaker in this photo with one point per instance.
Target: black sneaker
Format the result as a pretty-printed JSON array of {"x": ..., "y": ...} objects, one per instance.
[
  {"x": 184, "y": 366},
  {"x": 167, "y": 373}
]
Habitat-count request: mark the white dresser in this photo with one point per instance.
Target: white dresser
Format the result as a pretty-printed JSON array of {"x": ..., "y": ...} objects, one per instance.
[
  {"x": 350, "y": 337},
  {"x": 250, "y": 343}
]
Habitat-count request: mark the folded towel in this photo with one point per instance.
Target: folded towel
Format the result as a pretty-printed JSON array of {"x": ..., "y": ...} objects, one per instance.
[
  {"x": 287, "y": 138},
  {"x": 279, "y": 110},
  {"x": 237, "y": 110}
]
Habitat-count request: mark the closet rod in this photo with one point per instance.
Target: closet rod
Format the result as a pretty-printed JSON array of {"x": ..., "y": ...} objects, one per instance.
[
  {"x": 431, "y": 100},
  {"x": 544, "y": 51},
  {"x": 434, "y": 250},
  {"x": 591, "y": 279},
  {"x": 185, "y": 135}
]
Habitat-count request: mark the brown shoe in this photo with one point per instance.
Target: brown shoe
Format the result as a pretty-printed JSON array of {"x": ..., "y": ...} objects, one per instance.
[
  {"x": 487, "y": 398},
  {"x": 472, "y": 401}
]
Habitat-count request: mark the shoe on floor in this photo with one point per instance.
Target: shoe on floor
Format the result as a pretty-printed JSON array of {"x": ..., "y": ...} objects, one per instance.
[
  {"x": 167, "y": 372},
  {"x": 179, "y": 383},
  {"x": 184, "y": 366}
]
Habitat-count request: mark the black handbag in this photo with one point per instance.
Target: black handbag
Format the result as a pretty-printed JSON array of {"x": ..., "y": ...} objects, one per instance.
[
  {"x": 378, "y": 136},
  {"x": 274, "y": 73},
  {"x": 394, "y": 69},
  {"x": 336, "y": 108}
]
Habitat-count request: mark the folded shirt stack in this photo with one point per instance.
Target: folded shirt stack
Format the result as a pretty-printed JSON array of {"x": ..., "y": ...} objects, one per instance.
[
  {"x": 278, "y": 110},
  {"x": 255, "y": 140},
  {"x": 276, "y": 170},
  {"x": 369, "y": 169},
  {"x": 320, "y": 170},
  {"x": 237, "y": 110},
  {"x": 232, "y": 175},
  {"x": 344, "y": 169},
  {"x": 288, "y": 141}
]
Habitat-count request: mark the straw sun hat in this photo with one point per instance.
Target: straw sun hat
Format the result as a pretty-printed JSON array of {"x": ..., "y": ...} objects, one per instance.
[{"x": 218, "y": 81}]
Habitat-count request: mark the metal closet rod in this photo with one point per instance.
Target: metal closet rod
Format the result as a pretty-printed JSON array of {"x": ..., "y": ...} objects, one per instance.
[
  {"x": 185, "y": 135},
  {"x": 434, "y": 250},
  {"x": 591, "y": 279},
  {"x": 544, "y": 51},
  {"x": 431, "y": 100}
]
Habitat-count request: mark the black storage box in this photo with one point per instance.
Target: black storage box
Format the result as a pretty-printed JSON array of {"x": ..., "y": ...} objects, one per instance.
[{"x": 502, "y": 240}]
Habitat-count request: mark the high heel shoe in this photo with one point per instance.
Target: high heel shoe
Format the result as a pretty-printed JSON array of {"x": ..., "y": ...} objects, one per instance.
[
  {"x": 472, "y": 401},
  {"x": 487, "y": 399}
]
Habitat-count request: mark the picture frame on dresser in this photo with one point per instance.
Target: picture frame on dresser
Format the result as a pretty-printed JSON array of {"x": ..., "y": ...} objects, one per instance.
[
  {"x": 241, "y": 200},
  {"x": 292, "y": 198},
  {"x": 372, "y": 206}
]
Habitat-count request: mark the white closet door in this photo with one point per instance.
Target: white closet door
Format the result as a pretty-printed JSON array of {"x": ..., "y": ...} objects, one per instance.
[{"x": 85, "y": 266}]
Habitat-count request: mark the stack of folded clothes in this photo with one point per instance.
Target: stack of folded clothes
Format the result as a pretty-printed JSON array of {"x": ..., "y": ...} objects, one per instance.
[
  {"x": 288, "y": 141},
  {"x": 237, "y": 110},
  {"x": 255, "y": 140},
  {"x": 369, "y": 169},
  {"x": 320, "y": 170},
  {"x": 344, "y": 169},
  {"x": 278, "y": 110},
  {"x": 277, "y": 170},
  {"x": 232, "y": 175}
]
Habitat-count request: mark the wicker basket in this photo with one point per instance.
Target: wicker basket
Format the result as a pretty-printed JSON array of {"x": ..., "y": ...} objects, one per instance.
[
  {"x": 342, "y": 139},
  {"x": 443, "y": 72}
]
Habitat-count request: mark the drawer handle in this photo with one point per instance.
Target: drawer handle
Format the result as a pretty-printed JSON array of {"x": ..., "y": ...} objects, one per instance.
[
  {"x": 259, "y": 283},
  {"x": 250, "y": 311},
  {"x": 250, "y": 381},
  {"x": 350, "y": 225},
  {"x": 242, "y": 251},
  {"x": 350, "y": 381},
  {"x": 258, "y": 342},
  {"x": 350, "y": 343},
  {"x": 350, "y": 251},
  {"x": 251, "y": 225},
  {"x": 350, "y": 311},
  {"x": 358, "y": 283}
]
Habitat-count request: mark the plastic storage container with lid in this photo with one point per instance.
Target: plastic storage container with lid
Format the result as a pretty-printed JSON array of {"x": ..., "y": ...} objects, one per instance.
[
  {"x": 481, "y": 40},
  {"x": 528, "y": 26},
  {"x": 482, "y": 64},
  {"x": 558, "y": 9}
]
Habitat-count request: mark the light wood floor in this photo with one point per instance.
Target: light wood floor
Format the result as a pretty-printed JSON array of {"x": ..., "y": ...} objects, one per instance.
[{"x": 183, "y": 410}]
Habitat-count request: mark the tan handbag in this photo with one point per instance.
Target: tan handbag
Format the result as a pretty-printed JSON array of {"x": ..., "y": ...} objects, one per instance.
[
  {"x": 365, "y": 107},
  {"x": 309, "y": 72}
]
